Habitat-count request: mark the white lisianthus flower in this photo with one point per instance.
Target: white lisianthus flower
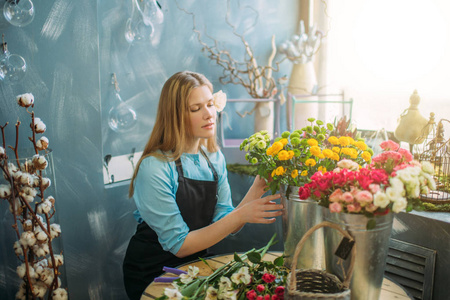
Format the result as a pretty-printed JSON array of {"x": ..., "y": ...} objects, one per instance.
[
  {"x": 59, "y": 294},
  {"x": 225, "y": 284},
  {"x": 5, "y": 191},
  {"x": 242, "y": 276},
  {"x": 211, "y": 293},
  {"x": 396, "y": 183},
  {"x": 39, "y": 126},
  {"x": 173, "y": 294},
  {"x": 380, "y": 199},
  {"x": 42, "y": 143},
  {"x": 25, "y": 100},
  {"x": 399, "y": 205},
  {"x": 427, "y": 167},
  {"x": 413, "y": 188},
  {"x": 220, "y": 100},
  {"x": 429, "y": 181}
]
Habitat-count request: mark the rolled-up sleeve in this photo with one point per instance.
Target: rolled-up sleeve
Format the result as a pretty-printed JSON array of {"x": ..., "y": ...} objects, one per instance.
[{"x": 155, "y": 190}]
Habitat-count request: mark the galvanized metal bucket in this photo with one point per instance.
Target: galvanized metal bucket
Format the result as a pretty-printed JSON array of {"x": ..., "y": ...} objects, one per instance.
[
  {"x": 299, "y": 217},
  {"x": 371, "y": 251}
]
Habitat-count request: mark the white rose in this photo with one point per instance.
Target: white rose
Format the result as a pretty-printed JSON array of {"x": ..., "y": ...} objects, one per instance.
[
  {"x": 220, "y": 100},
  {"x": 394, "y": 193},
  {"x": 25, "y": 100},
  {"x": 399, "y": 205},
  {"x": 348, "y": 164},
  {"x": 380, "y": 199}
]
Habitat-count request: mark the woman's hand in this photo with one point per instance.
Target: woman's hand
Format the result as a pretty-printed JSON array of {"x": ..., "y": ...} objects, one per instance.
[
  {"x": 261, "y": 210},
  {"x": 257, "y": 189}
]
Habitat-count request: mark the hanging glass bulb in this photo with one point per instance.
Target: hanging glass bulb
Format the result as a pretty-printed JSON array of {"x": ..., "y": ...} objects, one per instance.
[
  {"x": 19, "y": 12},
  {"x": 122, "y": 117},
  {"x": 137, "y": 27},
  {"x": 12, "y": 66},
  {"x": 151, "y": 13}
]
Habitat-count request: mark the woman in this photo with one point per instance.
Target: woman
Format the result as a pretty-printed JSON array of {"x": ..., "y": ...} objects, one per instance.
[{"x": 181, "y": 189}]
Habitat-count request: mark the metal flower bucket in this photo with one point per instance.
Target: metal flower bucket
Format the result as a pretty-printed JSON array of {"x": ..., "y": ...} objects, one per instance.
[
  {"x": 299, "y": 217},
  {"x": 371, "y": 251}
]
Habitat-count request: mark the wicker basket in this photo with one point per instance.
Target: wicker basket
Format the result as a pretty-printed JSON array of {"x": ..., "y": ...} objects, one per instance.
[{"x": 317, "y": 284}]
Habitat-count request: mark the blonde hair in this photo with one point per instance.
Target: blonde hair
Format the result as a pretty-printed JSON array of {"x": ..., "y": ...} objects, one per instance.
[{"x": 172, "y": 129}]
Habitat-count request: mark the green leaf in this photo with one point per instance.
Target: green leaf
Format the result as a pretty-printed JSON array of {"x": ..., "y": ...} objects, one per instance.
[
  {"x": 254, "y": 257},
  {"x": 190, "y": 289},
  {"x": 237, "y": 258},
  {"x": 371, "y": 224},
  {"x": 279, "y": 261}
]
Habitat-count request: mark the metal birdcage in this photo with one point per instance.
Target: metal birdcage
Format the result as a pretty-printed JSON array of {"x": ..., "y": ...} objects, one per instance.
[{"x": 436, "y": 150}]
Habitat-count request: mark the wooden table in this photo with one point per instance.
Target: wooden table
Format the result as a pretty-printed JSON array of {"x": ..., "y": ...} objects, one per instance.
[{"x": 389, "y": 290}]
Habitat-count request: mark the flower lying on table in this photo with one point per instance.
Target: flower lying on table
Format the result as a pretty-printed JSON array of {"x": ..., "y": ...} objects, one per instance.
[
  {"x": 393, "y": 182},
  {"x": 254, "y": 279}
]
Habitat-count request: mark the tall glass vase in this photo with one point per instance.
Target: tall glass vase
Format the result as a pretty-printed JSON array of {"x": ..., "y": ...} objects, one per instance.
[
  {"x": 371, "y": 251},
  {"x": 299, "y": 217}
]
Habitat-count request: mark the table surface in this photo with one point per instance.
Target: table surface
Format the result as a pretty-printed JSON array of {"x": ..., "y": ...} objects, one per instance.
[{"x": 389, "y": 290}]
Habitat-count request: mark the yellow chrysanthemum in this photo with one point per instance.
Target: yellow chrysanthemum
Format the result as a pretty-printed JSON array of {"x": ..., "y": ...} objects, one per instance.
[
  {"x": 366, "y": 155},
  {"x": 344, "y": 141},
  {"x": 333, "y": 140},
  {"x": 283, "y": 155},
  {"x": 315, "y": 150},
  {"x": 277, "y": 146},
  {"x": 351, "y": 140},
  {"x": 294, "y": 174},
  {"x": 361, "y": 145},
  {"x": 280, "y": 171},
  {"x": 313, "y": 142},
  {"x": 336, "y": 157},
  {"x": 284, "y": 141},
  {"x": 310, "y": 162},
  {"x": 322, "y": 169},
  {"x": 304, "y": 173},
  {"x": 336, "y": 150},
  {"x": 328, "y": 153},
  {"x": 269, "y": 151},
  {"x": 353, "y": 153},
  {"x": 273, "y": 173},
  {"x": 291, "y": 154}
]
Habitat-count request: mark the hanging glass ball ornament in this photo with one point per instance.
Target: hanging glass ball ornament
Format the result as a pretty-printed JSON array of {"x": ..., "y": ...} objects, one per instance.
[
  {"x": 19, "y": 12},
  {"x": 122, "y": 117},
  {"x": 12, "y": 66}
]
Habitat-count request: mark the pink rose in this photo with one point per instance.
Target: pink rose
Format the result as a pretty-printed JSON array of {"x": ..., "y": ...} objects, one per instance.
[
  {"x": 304, "y": 193},
  {"x": 251, "y": 295},
  {"x": 389, "y": 145},
  {"x": 374, "y": 188},
  {"x": 335, "y": 207},
  {"x": 279, "y": 290},
  {"x": 347, "y": 197},
  {"x": 371, "y": 207},
  {"x": 355, "y": 208},
  {"x": 336, "y": 196},
  {"x": 364, "y": 197},
  {"x": 260, "y": 288}
]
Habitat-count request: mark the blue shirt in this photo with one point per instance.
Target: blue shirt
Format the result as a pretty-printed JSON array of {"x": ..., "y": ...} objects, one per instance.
[{"x": 156, "y": 185}]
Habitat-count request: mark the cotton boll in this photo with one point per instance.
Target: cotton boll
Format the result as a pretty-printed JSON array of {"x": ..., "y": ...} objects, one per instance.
[
  {"x": 2, "y": 151},
  {"x": 39, "y": 126},
  {"x": 47, "y": 276},
  {"x": 59, "y": 261},
  {"x": 41, "y": 236},
  {"x": 45, "y": 182},
  {"x": 55, "y": 230},
  {"x": 27, "y": 225},
  {"x": 35, "y": 181},
  {"x": 25, "y": 100},
  {"x": 42, "y": 143},
  {"x": 21, "y": 293},
  {"x": 59, "y": 294},
  {"x": 5, "y": 191},
  {"x": 27, "y": 239},
  {"x": 39, "y": 162},
  {"x": 18, "y": 248},
  {"x": 39, "y": 289},
  {"x": 28, "y": 193},
  {"x": 44, "y": 207}
]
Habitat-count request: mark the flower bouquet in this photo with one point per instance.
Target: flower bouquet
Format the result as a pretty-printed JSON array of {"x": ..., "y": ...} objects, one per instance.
[
  {"x": 247, "y": 276},
  {"x": 295, "y": 156},
  {"x": 392, "y": 182}
]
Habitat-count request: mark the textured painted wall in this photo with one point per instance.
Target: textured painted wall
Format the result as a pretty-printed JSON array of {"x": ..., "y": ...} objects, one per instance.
[{"x": 71, "y": 48}]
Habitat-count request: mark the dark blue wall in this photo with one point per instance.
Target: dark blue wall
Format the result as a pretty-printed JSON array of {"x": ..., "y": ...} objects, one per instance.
[{"x": 71, "y": 49}]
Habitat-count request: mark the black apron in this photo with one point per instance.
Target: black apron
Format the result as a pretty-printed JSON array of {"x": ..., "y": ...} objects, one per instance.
[{"x": 145, "y": 257}]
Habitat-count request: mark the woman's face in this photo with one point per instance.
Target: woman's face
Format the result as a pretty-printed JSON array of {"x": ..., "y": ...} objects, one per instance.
[{"x": 202, "y": 113}]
